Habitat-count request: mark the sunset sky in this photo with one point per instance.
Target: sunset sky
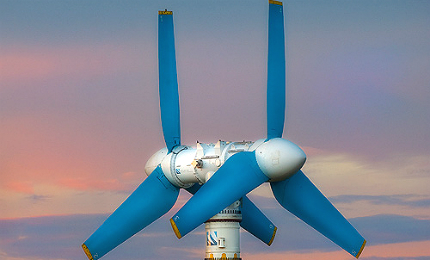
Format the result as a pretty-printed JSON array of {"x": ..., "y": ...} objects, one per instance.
[{"x": 79, "y": 117}]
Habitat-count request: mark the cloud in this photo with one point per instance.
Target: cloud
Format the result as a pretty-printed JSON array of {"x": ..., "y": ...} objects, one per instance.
[
  {"x": 401, "y": 200},
  {"x": 345, "y": 173},
  {"x": 386, "y": 229},
  {"x": 30, "y": 66},
  {"x": 397, "y": 258},
  {"x": 85, "y": 184},
  {"x": 38, "y": 198},
  {"x": 364, "y": 187},
  {"x": 398, "y": 251},
  {"x": 45, "y": 237},
  {"x": 21, "y": 187},
  {"x": 126, "y": 182},
  {"x": 20, "y": 66},
  {"x": 63, "y": 235}
]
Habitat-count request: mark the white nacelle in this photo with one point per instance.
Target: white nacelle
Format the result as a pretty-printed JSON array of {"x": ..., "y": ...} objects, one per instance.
[
  {"x": 187, "y": 165},
  {"x": 178, "y": 167},
  {"x": 277, "y": 158}
]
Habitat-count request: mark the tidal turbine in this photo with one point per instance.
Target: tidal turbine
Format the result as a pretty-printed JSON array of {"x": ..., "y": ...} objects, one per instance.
[{"x": 221, "y": 175}]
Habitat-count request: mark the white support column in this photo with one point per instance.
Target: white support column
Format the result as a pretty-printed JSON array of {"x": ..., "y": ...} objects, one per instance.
[{"x": 223, "y": 234}]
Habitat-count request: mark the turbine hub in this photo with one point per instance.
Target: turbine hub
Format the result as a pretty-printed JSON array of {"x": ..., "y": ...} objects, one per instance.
[
  {"x": 279, "y": 159},
  {"x": 155, "y": 160}
]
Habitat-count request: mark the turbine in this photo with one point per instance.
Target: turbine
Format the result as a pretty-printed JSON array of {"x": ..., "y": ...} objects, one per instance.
[{"x": 232, "y": 169}]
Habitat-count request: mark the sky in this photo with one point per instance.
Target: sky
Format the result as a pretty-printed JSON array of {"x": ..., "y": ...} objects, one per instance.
[{"x": 79, "y": 117}]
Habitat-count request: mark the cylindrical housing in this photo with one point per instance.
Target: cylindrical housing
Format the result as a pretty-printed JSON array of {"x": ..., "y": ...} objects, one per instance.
[
  {"x": 223, "y": 234},
  {"x": 184, "y": 169},
  {"x": 222, "y": 240}
]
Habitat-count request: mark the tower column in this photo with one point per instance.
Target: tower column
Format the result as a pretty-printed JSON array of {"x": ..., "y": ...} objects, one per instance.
[{"x": 223, "y": 234}]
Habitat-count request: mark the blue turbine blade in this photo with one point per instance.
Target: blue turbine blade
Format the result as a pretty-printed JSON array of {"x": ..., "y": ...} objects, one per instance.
[
  {"x": 276, "y": 72},
  {"x": 151, "y": 200},
  {"x": 168, "y": 82},
  {"x": 300, "y": 196},
  {"x": 256, "y": 223},
  {"x": 239, "y": 175}
]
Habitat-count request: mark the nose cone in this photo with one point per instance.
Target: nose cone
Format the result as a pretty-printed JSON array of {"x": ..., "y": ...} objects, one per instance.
[
  {"x": 279, "y": 159},
  {"x": 155, "y": 160}
]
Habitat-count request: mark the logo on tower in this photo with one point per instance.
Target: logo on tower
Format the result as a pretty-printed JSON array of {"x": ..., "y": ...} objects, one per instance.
[{"x": 211, "y": 238}]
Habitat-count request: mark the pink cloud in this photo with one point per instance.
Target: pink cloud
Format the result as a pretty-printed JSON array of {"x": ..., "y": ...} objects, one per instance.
[
  {"x": 43, "y": 149},
  {"x": 312, "y": 150},
  {"x": 24, "y": 63},
  {"x": 85, "y": 184},
  {"x": 408, "y": 249},
  {"x": 396, "y": 250},
  {"x": 129, "y": 176},
  {"x": 25, "y": 66},
  {"x": 21, "y": 187}
]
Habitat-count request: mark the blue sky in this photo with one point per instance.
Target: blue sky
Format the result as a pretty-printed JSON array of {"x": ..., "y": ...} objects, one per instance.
[{"x": 79, "y": 117}]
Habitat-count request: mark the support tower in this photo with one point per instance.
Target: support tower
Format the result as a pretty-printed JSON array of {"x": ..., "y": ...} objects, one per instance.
[{"x": 223, "y": 234}]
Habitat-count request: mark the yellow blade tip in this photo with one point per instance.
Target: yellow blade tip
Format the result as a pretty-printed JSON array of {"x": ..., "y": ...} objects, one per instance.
[
  {"x": 273, "y": 236},
  {"x": 175, "y": 228},
  {"x": 275, "y": 2},
  {"x": 165, "y": 12},
  {"x": 361, "y": 249},
  {"x": 87, "y": 252}
]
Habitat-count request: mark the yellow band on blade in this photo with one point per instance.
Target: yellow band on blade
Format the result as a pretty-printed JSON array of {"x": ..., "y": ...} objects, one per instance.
[
  {"x": 273, "y": 236},
  {"x": 275, "y": 2},
  {"x": 87, "y": 252},
  {"x": 165, "y": 12},
  {"x": 361, "y": 249},
  {"x": 175, "y": 228}
]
